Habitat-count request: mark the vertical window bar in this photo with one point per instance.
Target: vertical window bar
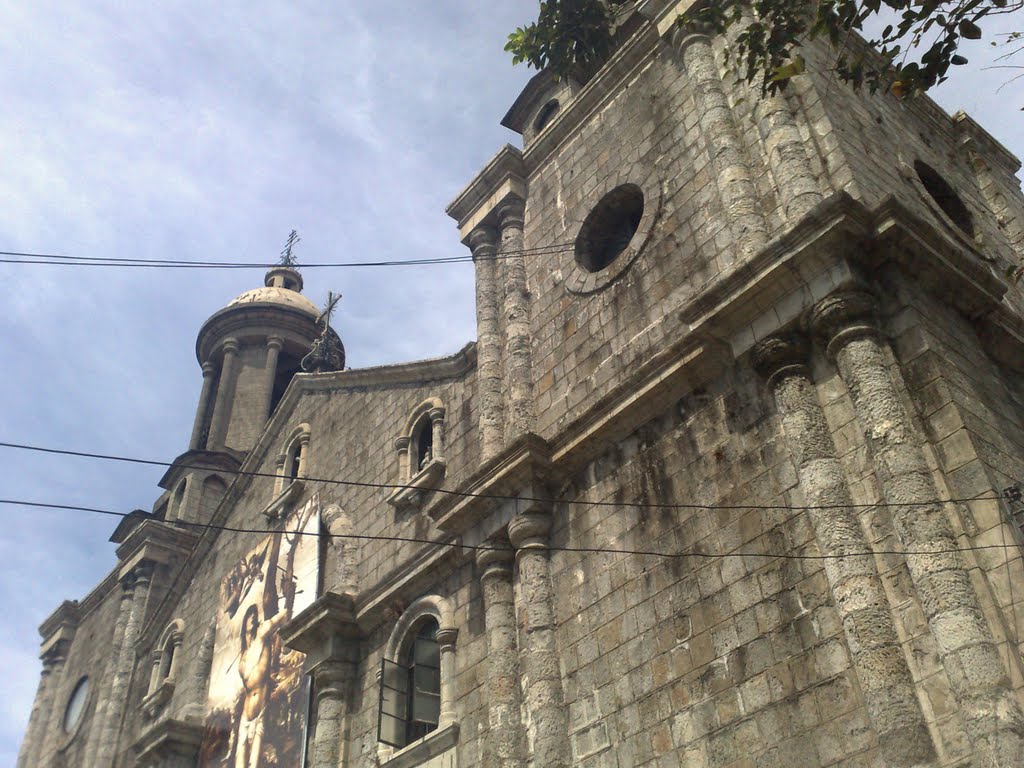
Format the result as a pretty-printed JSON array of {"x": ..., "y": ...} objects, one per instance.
[{"x": 392, "y": 720}]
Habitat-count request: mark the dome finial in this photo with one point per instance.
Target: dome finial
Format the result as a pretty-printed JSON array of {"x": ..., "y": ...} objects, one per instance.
[
  {"x": 287, "y": 257},
  {"x": 285, "y": 274}
]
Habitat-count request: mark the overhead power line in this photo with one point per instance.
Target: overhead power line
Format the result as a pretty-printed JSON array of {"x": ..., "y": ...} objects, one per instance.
[
  {"x": 470, "y": 495},
  {"x": 487, "y": 548},
  {"x": 53, "y": 259}
]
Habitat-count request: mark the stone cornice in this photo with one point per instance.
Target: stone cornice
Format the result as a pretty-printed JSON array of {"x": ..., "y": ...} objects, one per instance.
[
  {"x": 198, "y": 459},
  {"x": 991, "y": 148},
  {"x": 264, "y": 318},
  {"x": 156, "y": 542},
  {"x": 522, "y": 463},
  {"x": 503, "y": 177},
  {"x": 169, "y": 738},
  {"x": 326, "y": 630},
  {"x": 62, "y": 621}
]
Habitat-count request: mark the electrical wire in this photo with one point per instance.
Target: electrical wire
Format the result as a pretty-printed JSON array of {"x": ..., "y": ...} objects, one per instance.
[
  {"x": 22, "y": 257},
  {"x": 486, "y": 548},
  {"x": 470, "y": 495}
]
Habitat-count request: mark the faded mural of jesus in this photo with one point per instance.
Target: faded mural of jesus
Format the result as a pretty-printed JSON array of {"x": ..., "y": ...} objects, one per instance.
[{"x": 257, "y": 698}]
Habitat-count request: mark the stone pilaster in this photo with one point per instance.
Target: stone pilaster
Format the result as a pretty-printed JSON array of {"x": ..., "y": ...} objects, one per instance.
[
  {"x": 328, "y": 634},
  {"x": 136, "y": 583},
  {"x": 857, "y": 590},
  {"x": 103, "y": 693},
  {"x": 787, "y": 155},
  {"x": 503, "y": 746},
  {"x": 200, "y": 677},
  {"x": 518, "y": 354},
  {"x": 542, "y": 678},
  {"x": 992, "y": 716},
  {"x": 196, "y": 443},
  {"x": 483, "y": 242},
  {"x": 42, "y": 707},
  {"x": 719, "y": 128},
  {"x": 225, "y": 396},
  {"x": 274, "y": 345}
]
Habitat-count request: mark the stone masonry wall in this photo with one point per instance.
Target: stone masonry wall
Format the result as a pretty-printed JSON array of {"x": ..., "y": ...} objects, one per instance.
[{"x": 647, "y": 134}]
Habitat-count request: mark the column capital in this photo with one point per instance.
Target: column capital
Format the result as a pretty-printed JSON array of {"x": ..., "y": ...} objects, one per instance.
[
  {"x": 781, "y": 355},
  {"x": 208, "y": 369},
  {"x": 496, "y": 561},
  {"x": 683, "y": 36},
  {"x": 446, "y": 638},
  {"x": 842, "y": 317},
  {"x": 483, "y": 241},
  {"x": 275, "y": 342},
  {"x": 511, "y": 212},
  {"x": 230, "y": 346},
  {"x": 436, "y": 414},
  {"x": 529, "y": 530},
  {"x": 402, "y": 443}
]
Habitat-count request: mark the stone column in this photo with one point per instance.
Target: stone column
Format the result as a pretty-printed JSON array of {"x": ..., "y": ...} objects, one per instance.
[
  {"x": 402, "y": 446},
  {"x": 328, "y": 634},
  {"x": 787, "y": 155},
  {"x": 488, "y": 366},
  {"x": 718, "y": 126},
  {"x": 200, "y": 678},
  {"x": 436, "y": 416},
  {"x": 542, "y": 677},
  {"x": 137, "y": 583},
  {"x": 31, "y": 747},
  {"x": 225, "y": 396},
  {"x": 992, "y": 717},
  {"x": 518, "y": 354},
  {"x": 503, "y": 747},
  {"x": 274, "y": 344},
  {"x": 857, "y": 590},
  {"x": 103, "y": 691},
  {"x": 446, "y": 637},
  {"x": 196, "y": 443}
]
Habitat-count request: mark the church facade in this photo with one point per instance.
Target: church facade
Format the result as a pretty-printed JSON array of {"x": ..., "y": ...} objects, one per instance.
[{"x": 727, "y": 478}]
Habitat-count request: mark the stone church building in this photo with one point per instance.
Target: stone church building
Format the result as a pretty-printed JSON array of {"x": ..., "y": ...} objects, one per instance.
[{"x": 723, "y": 480}]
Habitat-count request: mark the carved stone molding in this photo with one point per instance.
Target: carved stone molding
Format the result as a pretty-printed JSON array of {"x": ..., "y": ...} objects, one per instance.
[
  {"x": 778, "y": 356},
  {"x": 529, "y": 530},
  {"x": 843, "y": 317}
]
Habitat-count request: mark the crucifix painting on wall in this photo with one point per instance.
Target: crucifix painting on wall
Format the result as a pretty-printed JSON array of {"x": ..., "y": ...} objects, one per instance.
[{"x": 257, "y": 697}]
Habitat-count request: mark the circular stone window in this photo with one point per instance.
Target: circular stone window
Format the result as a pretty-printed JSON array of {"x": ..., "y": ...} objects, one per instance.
[
  {"x": 945, "y": 197},
  {"x": 76, "y": 705},
  {"x": 606, "y": 232}
]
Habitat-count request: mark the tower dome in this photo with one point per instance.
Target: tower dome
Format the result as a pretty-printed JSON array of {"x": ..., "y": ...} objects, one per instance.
[{"x": 249, "y": 351}]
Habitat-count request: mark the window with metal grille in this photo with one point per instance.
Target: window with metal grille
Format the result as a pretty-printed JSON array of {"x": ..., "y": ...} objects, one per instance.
[{"x": 410, "y": 690}]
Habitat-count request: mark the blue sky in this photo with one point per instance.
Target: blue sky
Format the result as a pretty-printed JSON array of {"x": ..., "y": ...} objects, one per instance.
[{"x": 208, "y": 131}]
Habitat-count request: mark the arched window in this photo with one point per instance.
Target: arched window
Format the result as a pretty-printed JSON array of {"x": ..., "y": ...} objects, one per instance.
[
  {"x": 165, "y": 660},
  {"x": 422, "y": 443},
  {"x": 411, "y": 688},
  {"x": 293, "y": 462},
  {"x": 291, "y": 469},
  {"x": 420, "y": 447},
  {"x": 417, "y": 680}
]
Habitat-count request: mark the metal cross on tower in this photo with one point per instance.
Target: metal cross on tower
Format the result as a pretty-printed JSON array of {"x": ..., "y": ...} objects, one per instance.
[
  {"x": 287, "y": 257},
  {"x": 328, "y": 310}
]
